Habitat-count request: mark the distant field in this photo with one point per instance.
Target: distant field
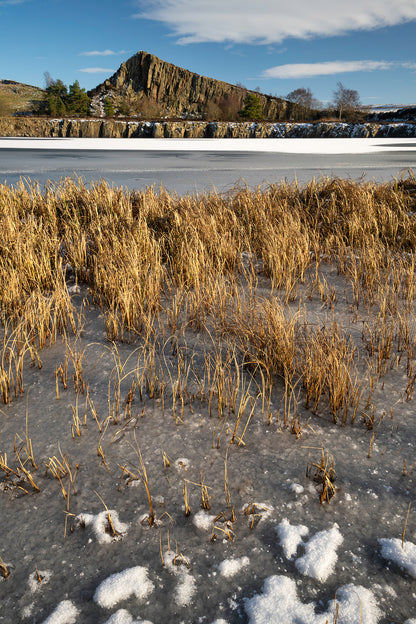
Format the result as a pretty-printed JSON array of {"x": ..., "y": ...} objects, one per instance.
[{"x": 18, "y": 97}]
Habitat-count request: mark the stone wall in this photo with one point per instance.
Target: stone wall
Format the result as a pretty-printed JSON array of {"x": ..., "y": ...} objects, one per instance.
[{"x": 95, "y": 128}]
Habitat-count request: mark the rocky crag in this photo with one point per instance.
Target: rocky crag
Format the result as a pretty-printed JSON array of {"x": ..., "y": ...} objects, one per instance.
[
  {"x": 179, "y": 92},
  {"x": 95, "y": 128}
]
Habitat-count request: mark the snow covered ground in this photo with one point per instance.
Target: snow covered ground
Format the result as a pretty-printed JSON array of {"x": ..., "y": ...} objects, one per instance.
[{"x": 290, "y": 146}]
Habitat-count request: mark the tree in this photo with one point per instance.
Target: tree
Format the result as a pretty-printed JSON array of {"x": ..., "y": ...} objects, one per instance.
[
  {"x": 303, "y": 101},
  {"x": 253, "y": 107},
  {"x": 108, "y": 107},
  {"x": 346, "y": 100},
  {"x": 77, "y": 101},
  {"x": 59, "y": 101},
  {"x": 56, "y": 95}
]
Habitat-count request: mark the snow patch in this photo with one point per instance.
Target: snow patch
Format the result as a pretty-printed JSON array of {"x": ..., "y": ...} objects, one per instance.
[
  {"x": 182, "y": 464},
  {"x": 391, "y": 550},
  {"x": 297, "y": 488},
  {"x": 203, "y": 520},
  {"x": 122, "y": 616},
  {"x": 185, "y": 590},
  {"x": 65, "y": 613},
  {"x": 100, "y": 525},
  {"x": 356, "y": 605},
  {"x": 333, "y": 145},
  {"x": 74, "y": 290},
  {"x": 122, "y": 585},
  {"x": 290, "y": 537},
  {"x": 279, "y": 603},
  {"x": 187, "y": 585},
  {"x": 230, "y": 567},
  {"x": 320, "y": 554},
  {"x": 34, "y": 583}
]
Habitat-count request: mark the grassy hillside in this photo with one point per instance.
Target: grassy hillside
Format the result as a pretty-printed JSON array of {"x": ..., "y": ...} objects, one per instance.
[{"x": 17, "y": 97}]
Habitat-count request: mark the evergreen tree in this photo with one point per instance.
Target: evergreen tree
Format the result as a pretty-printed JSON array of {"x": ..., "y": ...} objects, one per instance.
[
  {"x": 56, "y": 95},
  {"x": 61, "y": 102},
  {"x": 253, "y": 108},
  {"x": 108, "y": 107},
  {"x": 78, "y": 101}
]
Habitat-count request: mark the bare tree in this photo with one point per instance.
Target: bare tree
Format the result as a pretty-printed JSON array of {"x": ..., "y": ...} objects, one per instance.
[
  {"x": 304, "y": 102},
  {"x": 346, "y": 100},
  {"x": 48, "y": 79}
]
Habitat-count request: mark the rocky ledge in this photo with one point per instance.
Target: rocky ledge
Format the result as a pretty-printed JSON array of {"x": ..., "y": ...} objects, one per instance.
[{"x": 111, "y": 128}]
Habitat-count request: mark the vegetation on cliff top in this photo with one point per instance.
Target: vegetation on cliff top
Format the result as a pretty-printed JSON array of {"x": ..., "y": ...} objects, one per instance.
[
  {"x": 149, "y": 88},
  {"x": 16, "y": 97}
]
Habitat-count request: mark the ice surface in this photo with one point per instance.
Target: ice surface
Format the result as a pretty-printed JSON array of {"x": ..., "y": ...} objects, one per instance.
[
  {"x": 230, "y": 567},
  {"x": 265, "y": 470},
  {"x": 391, "y": 550},
  {"x": 279, "y": 603},
  {"x": 65, "y": 613},
  {"x": 320, "y": 554},
  {"x": 122, "y": 585},
  {"x": 290, "y": 537}
]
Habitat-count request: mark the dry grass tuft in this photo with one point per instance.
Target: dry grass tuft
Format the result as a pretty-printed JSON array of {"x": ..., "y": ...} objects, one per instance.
[{"x": 231, "y": 300}]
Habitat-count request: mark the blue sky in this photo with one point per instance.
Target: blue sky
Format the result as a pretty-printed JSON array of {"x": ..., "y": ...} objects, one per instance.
[{"x": 277, "y": 45}]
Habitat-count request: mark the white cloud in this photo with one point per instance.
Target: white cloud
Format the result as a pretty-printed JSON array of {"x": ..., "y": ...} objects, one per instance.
[
  {"x": 272, "y": 21},
  {"x": 97, "y": 70},
  {"x": 102, "y": 53},
  {"x": 11, "y": 2},
  {"x": 306, "y": 70}
]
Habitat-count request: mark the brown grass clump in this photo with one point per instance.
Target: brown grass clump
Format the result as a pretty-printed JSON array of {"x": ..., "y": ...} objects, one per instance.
[{"x": 239, "y": 268}]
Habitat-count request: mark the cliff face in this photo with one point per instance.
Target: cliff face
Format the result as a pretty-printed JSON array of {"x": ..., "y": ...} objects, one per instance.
[
  {"x": 178, "y": 90},
  {"x": 95, "y": 128}
]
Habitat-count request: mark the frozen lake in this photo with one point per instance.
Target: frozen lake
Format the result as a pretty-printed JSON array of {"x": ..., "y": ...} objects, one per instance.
[{"x": 189, "y": 165}]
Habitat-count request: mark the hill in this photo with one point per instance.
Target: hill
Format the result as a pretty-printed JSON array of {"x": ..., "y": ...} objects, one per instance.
[
  {"x": 146, "y": 84},
  {"x": 16, "y": 97}
]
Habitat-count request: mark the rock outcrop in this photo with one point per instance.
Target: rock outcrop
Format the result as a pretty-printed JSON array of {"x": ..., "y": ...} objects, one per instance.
[
  {"x": 97, "y": 128},
  {"x": 180, "y": 92}
]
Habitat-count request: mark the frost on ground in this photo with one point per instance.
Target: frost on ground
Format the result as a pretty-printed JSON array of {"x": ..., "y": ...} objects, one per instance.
[
  {"x": 231, "y": 567},
  {"x": 279, "y": 603},
  {"x": 402, "y": 554},
  {"x": 290, "y": 537},
  {"x": 320, "y": 554},
  {"x": 122, "y": 585},
  {"x": 65, "y": 613}
]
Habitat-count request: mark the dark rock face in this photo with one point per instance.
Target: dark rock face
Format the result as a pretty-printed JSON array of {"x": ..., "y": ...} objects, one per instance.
[
  {"x": 96, "y": 128},
  {"x": 180, "y": 91}
]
